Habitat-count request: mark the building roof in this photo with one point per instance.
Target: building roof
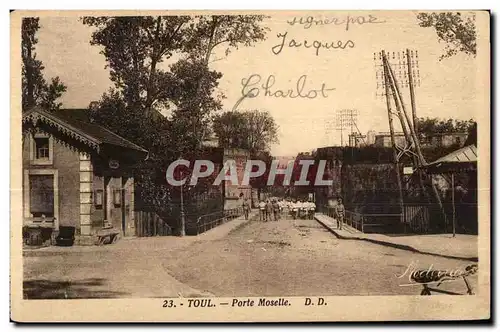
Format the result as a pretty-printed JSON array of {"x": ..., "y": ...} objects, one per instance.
[
  {"x": 76, "y": 123},
  {"x": 461, "y": 159},
  {"x": 465, "y": 154}
]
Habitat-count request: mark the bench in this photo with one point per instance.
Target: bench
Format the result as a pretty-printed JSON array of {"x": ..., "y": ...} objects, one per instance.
[{"x": 107, "y": 236}]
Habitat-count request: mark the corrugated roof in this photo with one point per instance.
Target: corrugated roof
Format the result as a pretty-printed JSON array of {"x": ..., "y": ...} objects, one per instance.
[
  {"x": 464, "y": 159},
  {"x": 77, "y": 121},
  {"x": 465, "y": 154}
]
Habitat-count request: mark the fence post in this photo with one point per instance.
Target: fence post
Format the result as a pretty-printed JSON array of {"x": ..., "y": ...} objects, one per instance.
[{"x": 362, "y": 223}]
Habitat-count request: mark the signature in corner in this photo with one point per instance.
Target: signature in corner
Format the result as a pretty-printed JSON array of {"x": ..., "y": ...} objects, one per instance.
[{"x": 432, "y": 276}]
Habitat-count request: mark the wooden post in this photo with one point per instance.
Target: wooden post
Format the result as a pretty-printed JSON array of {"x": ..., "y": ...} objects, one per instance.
[
  {"x": 395, "y": 86},
  {"x": 453, "y": 200},
  {"x": 391, "y": 129},
  {"x": 412, "y": 93}
]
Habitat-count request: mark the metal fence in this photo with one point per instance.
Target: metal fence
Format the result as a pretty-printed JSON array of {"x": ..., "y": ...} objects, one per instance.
[
  {"x": 211, "y": 220},
  {"x": 365, "y": 221},
  {"x": 417, "y": 217}
]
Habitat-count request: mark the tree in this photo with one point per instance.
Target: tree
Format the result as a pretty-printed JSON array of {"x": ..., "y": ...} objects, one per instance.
[
  {"x": 210, "y": 33},
  {"x": 160, "y": 63},
  {"x": 456, "y": 30},
  {"x": 430, "y": 126},
  {"x": 231, "y": 128},
  {"x": 35, "y": 89},
  {"x": 136, "y": 47},
  {"x": 253, "y": 130}
]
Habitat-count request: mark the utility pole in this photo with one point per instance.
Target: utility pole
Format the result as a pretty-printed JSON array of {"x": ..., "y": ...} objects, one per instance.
[
  {"x": 183, "y": 217},
  {"x": 393, "y": 139},
  {"x": 346, "y": 118},
  {"x": 398, "y": 99},
  {"x": 412, "y": 89}
]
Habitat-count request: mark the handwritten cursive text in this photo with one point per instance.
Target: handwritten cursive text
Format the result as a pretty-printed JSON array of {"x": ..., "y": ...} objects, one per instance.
[
  {"x": 309, "y": 21},
  {"x": 251, "y": 88},
  {"x": 316, "y": 44}
]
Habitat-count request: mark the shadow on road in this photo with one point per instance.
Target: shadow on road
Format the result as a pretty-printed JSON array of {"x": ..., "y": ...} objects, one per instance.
[{"x": 49, "y": 289}]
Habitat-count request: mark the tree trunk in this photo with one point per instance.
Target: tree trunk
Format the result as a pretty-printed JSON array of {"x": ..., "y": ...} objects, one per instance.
[{"x": 30, "y": 98}]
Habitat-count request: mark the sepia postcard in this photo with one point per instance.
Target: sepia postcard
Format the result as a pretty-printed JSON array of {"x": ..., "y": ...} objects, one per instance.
[{"x": 238, "y": 166}]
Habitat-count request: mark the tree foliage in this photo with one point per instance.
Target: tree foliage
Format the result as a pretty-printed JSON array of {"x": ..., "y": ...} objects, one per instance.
[
  {"x": 430, "y": 126},
  {"x": 458, "y": 31},
  {"x": 161, "y": 65},
  {"x": 253, "y": 130},
  {"x": 35, "y": 89}
]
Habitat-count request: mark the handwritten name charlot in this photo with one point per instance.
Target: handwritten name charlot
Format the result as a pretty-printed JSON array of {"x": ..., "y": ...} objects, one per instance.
[{"x": 251, "y": 88}]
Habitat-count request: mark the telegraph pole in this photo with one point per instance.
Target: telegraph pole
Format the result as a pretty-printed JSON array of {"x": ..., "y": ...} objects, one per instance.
[
  {"x": 412, "y": 89},
  {"x": 183, "y": 217},
  {"x": 393, "y": 139},
  {"x": 346, "y": 118},
  {"x": 397, "y": 96}
]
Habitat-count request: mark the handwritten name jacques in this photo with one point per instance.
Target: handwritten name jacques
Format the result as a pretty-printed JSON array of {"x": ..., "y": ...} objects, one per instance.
[{"x": 307, "y": 22}]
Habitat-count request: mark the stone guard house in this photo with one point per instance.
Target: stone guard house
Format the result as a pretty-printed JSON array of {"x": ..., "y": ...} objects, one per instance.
[{"x": 76, "y": 173}]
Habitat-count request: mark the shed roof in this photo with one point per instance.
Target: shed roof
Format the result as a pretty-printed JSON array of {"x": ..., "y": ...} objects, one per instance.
[{"x": 462, "y": 159}]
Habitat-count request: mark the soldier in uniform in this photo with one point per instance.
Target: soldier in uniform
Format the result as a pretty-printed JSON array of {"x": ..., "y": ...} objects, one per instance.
[
  {"x": 269, "y": 210},
  {"x": 340, "y": 213},
  {"x": 246, "y": 208}
]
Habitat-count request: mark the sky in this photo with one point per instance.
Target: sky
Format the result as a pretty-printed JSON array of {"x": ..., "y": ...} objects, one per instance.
[{"x": 348, "y": 76}]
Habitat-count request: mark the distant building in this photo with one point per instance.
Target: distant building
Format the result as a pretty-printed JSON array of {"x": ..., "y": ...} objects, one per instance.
[
  {"x": 370, "y": 137},
  {"x": 383, "y": 139},
  {"x": 444, "y": 139},
  {"x": 357, "y": 140},
  {"x": 234, "y": 194}
]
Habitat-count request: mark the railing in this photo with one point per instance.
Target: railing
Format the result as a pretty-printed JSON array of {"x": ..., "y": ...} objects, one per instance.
[
  {"x": 362, "y": 221},
  {"x": 417, "y": 217},
  {"x": 211, "y": 220},
  {"x": 351, "y": 218},
  {"x": 391, "y": 221},
  {"x": 355, "y": 220}
]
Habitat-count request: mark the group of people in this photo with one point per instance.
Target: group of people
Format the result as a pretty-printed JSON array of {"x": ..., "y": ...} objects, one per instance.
[{"x": 273, "y": 209}]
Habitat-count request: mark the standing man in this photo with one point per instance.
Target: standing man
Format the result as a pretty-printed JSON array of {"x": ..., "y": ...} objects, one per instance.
[
  {"x": 276, "y": 210},
  {"x": 262, "y": 210},
  {"x": 312, "y": 210},
  {"x": 293, "y": 209},
  {"x": 246, "y": 208},
  {"x": 269, "y": 210},
  {"x": 340, "y": 213}
]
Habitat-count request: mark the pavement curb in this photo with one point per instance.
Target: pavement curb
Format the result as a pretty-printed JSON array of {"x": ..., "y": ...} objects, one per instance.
[{"x": 391, "y": 244}]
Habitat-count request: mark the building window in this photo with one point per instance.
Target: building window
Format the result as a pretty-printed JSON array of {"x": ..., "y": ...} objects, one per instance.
[
  {"x": 41, "y": 195},
  {"x": 41, "y": 149},
  {"x": 98, "y": 198},
  {"x": 117, "y": 197}
]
